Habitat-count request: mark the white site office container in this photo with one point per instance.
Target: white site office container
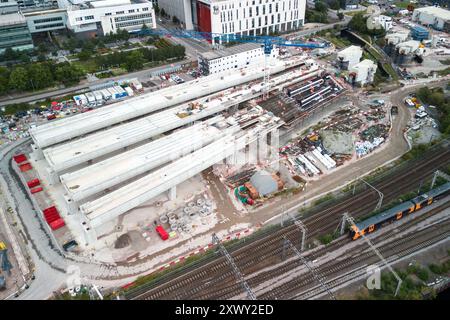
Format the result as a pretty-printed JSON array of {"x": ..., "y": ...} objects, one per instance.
[{"x": 129, "y": 91}]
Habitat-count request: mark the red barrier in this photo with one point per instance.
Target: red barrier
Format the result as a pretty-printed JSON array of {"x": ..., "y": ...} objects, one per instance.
[
  {"x": 33, "y": 183},
  {"x": 25, "y": 167},
  {"x": 36, "y": 190},
  {"x": 55, "y": 225},
  {"x": 20, "y": 158}
]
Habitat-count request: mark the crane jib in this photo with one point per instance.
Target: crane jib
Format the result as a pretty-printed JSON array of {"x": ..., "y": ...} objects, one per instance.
[{"x": 267, "y": 41}]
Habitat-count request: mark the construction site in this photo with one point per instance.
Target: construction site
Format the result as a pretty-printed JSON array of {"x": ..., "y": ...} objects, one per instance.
[{"x": 126, "y": 181}]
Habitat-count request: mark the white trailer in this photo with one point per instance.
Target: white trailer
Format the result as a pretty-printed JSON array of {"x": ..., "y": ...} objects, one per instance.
[
  {"x": 129, "y": 91},
  {"x": 106, "y": 94},
  {"x": 98, "y": 97},
  {"x": 90, "y": 97}
]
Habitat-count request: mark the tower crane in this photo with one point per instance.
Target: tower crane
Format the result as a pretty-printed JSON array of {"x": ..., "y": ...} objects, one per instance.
[{"x": 268, "y": 42}]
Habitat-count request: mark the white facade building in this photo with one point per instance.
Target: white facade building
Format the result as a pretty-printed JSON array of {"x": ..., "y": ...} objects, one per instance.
[
  {"x": 349, "y": 57},
  {"x": 255, "y": 17},
  {"x": 243, "y": 17},
  {"x": 108, "y": 15},
  {"x": 363, "y": 73},
  {"x": 438, "y": 18},
  {"x": 236, "y": 57},
  {"x": 377, "y": 22}
]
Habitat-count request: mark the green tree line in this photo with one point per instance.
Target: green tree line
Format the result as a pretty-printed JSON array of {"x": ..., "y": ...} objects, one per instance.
[
  {"x": 134, "y": 60},
  {"x": 437, "y": 98},
  {"x": 36, "y": 76}
]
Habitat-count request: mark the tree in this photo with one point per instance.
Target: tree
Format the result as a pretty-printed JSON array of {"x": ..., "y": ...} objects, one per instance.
[
  {"x": 18, "y": 80},
  {"x": 163, "y": 12},
  {"x": 10, "y": 54},
  {"x": 358, "y": 23},
  {"x": 334, "y": 4},
  {"x": 134, "y": 61},
  {"x": 67, "y": 73},
  {"x": 40, "y": 76},
  {"x": 42, "y": 48},
  {"x": 340, "y": 16},
  {"x": 4, "y": 76},
  {"x": 156, "y": 8},
  {"x": 320, "y": 6},
  {"x": 175, "y": 20},
  {"x": 41, "y": 57},
  {"x": 84, "y": 55}
]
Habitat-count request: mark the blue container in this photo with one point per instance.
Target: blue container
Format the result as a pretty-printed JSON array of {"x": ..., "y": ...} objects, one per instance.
[{"x": 419, "y": 33}]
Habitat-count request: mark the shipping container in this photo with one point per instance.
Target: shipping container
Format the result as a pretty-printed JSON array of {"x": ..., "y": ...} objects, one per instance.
[
  {"x": 98, "y": 96},
  {"x": 106, "y": 94},
  {"x": 20, "y": 158},
  {"x": 114, "y": 93},
  {"x": 162, "y": 233},
  {"x": 33, "y": 183},
  {"x": 36, "y": 190},
  {"x": 25, "y": 167},
  {"x": 90, "y": 97},
  {"x": 50, "y": 209},
  {"x": 55, "y": 225},
  {"x": 129, "y": 91},
  {"x": 50, "y": 217}
]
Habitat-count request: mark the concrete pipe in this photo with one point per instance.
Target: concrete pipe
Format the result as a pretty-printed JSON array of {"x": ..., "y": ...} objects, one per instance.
[
  {"x": 187, "y": 210},
  {"x": 163, "y": 219},
  {"x": 172, "y": 219}
]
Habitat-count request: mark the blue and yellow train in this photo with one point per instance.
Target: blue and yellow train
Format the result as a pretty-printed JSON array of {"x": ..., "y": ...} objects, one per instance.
[{"x": 396, "y": 213}]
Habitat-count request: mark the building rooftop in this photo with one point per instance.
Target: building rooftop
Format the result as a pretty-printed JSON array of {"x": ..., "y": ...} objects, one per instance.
[
  {"x": 438, "y": 12},
  {"x": 229, "y": 51},
  {"x": 12, "y": 19},
  {"x": 365, "y": 63},
  {"x": 43, "y": 12},
  {"x": 108, "y": 3},
  {"x": 350, "y": 49}
]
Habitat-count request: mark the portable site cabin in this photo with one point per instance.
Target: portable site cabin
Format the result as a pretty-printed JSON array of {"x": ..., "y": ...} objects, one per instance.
[
  {"x": 98, "y": 97},
  {"x": 90, "y": 97},
  {"x": 80, "y": 99},
  {"x": 106, "y": 94},
  {"x": 122, "y": 93},
  {"x": 129, "y": 91}
]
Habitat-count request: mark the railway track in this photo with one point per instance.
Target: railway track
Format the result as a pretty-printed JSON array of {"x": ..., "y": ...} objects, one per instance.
[
  {"x": 228, "y": 290},
  {"x": 400, "y": 248},
  {"x": 257, "y": 255}
]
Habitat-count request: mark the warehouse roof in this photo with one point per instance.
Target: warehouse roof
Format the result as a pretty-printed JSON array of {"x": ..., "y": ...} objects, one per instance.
[
  {"x": 12, "y": 19},
  {"x": 435, "y": 11}
]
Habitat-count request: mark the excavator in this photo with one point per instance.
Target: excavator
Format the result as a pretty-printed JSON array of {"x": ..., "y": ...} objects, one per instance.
[{"x": 5, "y": 265}]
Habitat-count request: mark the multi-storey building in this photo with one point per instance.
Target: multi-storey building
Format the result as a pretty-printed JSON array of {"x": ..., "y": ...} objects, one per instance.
[
  {"x": 47, "y": 20},
  {"x": 236, "y": 57},
  {"x": 243, "y": 17},
  {"x": 107, "y": 16},
  {"x": 14, "y": 32}
]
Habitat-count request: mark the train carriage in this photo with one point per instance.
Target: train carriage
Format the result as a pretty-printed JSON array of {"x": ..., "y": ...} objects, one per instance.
[
  {"x": 396, "y": 213},
  {"x": 373, "y": 223},
  {"x": 428, "y": 198}
]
